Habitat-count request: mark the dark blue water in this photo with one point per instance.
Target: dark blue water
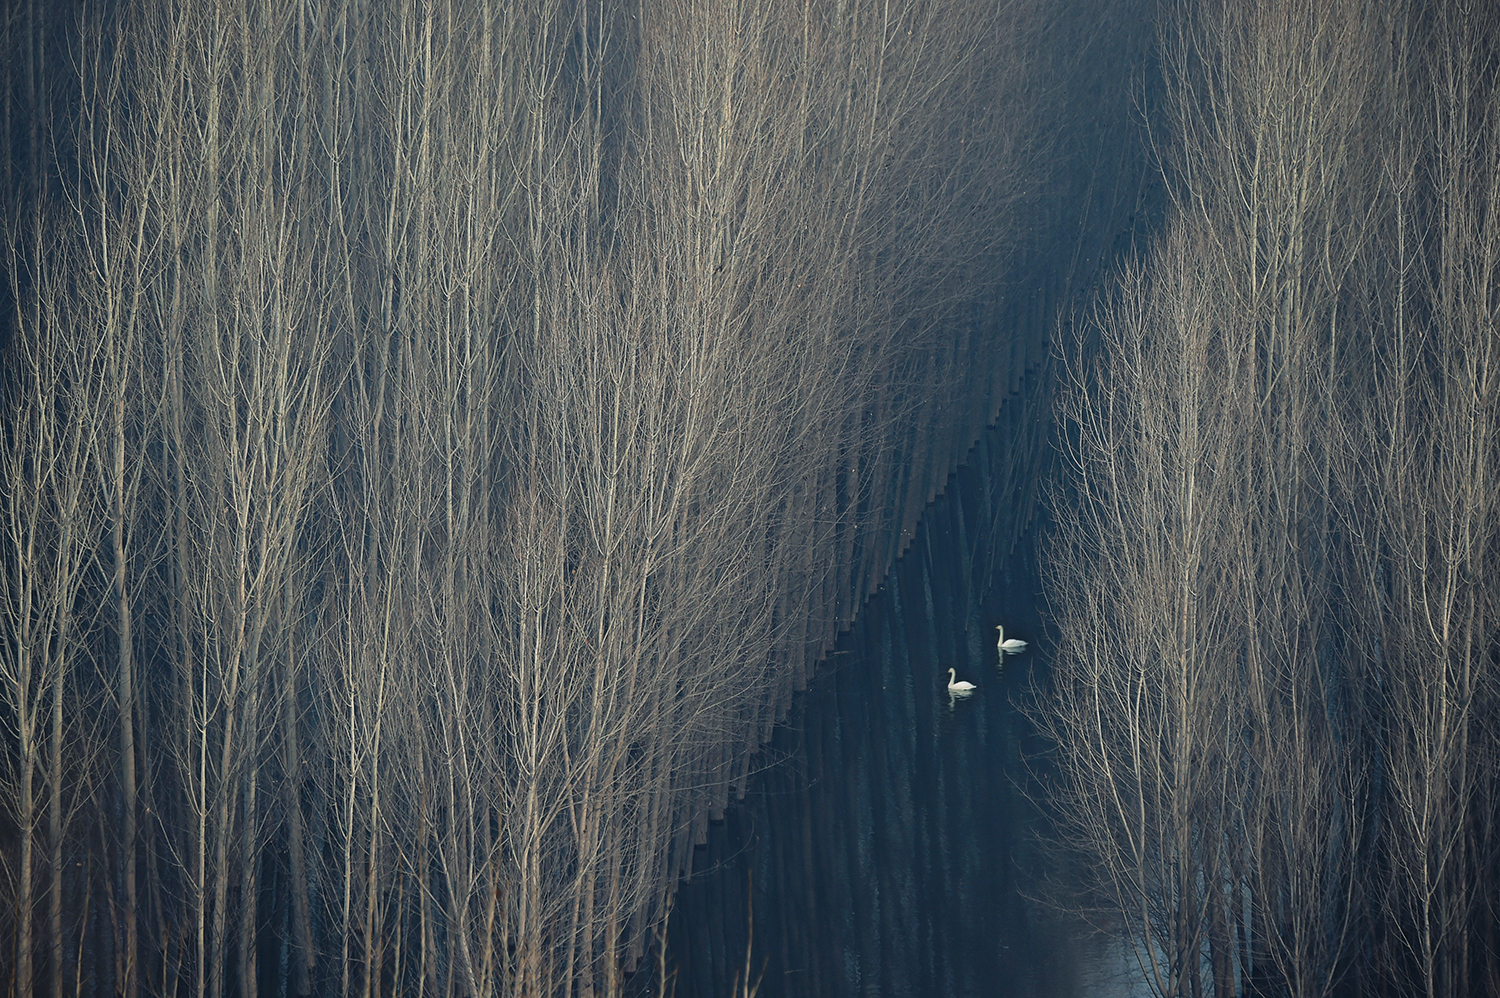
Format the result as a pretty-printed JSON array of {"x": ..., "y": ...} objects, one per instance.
[{"x": 892, "y": 844}]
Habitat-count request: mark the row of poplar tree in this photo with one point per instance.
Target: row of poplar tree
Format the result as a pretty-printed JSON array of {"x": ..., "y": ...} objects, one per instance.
[
  {"x": 1277, "y": 698},
  {"x": 436, "y": 435}
]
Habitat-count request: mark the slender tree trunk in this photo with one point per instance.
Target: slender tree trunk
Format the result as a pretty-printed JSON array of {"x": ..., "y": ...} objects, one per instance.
[
  {"x": 125, "y": 677},
  {"x": 306, "y": 955},
  {"x": 55, "y": 830}
]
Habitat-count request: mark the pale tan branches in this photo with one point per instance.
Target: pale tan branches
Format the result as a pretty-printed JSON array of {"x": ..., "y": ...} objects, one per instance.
[
  {"x": 1431, "y": 435},
  {"x": 1331, "y": 225},
  {"x": 1146, "y": 675},
  {"x": 498, "y": 407},
  {"x": 50, "y": 520}
]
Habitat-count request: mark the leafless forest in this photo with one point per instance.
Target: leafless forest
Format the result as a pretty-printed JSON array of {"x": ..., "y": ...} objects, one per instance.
[
  {"x": 438, "y": 437},
  {"x": 1277, "y": 568}
]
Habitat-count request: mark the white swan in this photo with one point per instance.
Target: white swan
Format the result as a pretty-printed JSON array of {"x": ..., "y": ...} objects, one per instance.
[
  {"x": 958, "y": 687},
  {"x": 1012, "y": 647}
]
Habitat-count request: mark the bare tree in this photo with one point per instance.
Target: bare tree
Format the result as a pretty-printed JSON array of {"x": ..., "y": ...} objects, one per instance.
[
  {"x": 50, "y": 521},
  {"x": 494, "y": 418},
  {"x": 1432, "y": 436},
  {"x": 1272, "y": 686}
]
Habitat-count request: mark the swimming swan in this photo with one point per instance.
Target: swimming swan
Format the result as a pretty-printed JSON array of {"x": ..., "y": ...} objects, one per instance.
[
  {"x": 1012, "y": 647},
  {"x": 958, "y": 687}
]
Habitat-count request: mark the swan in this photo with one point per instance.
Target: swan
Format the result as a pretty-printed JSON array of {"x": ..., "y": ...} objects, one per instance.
[
  {"x": 1012, "y": 647},
  {"x": 954, "y": 686}
]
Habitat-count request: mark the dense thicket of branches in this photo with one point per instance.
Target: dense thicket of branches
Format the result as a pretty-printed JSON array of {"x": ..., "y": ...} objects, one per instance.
[
  {"x": 1275, "y": 568},
  {"x": 437, "y": 436}
]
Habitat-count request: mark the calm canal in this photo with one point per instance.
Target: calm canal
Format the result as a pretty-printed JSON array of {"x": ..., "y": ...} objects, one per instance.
[{"x": 892, "y": 844}]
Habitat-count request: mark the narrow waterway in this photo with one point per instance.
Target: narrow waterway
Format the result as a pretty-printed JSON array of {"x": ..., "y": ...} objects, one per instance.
[
  {"x": 893, "y": 842},
  {"x": 890, "y": 846}
]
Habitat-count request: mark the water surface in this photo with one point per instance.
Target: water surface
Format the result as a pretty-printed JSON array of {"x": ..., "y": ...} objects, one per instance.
[{"x": 890, "y": 845}]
